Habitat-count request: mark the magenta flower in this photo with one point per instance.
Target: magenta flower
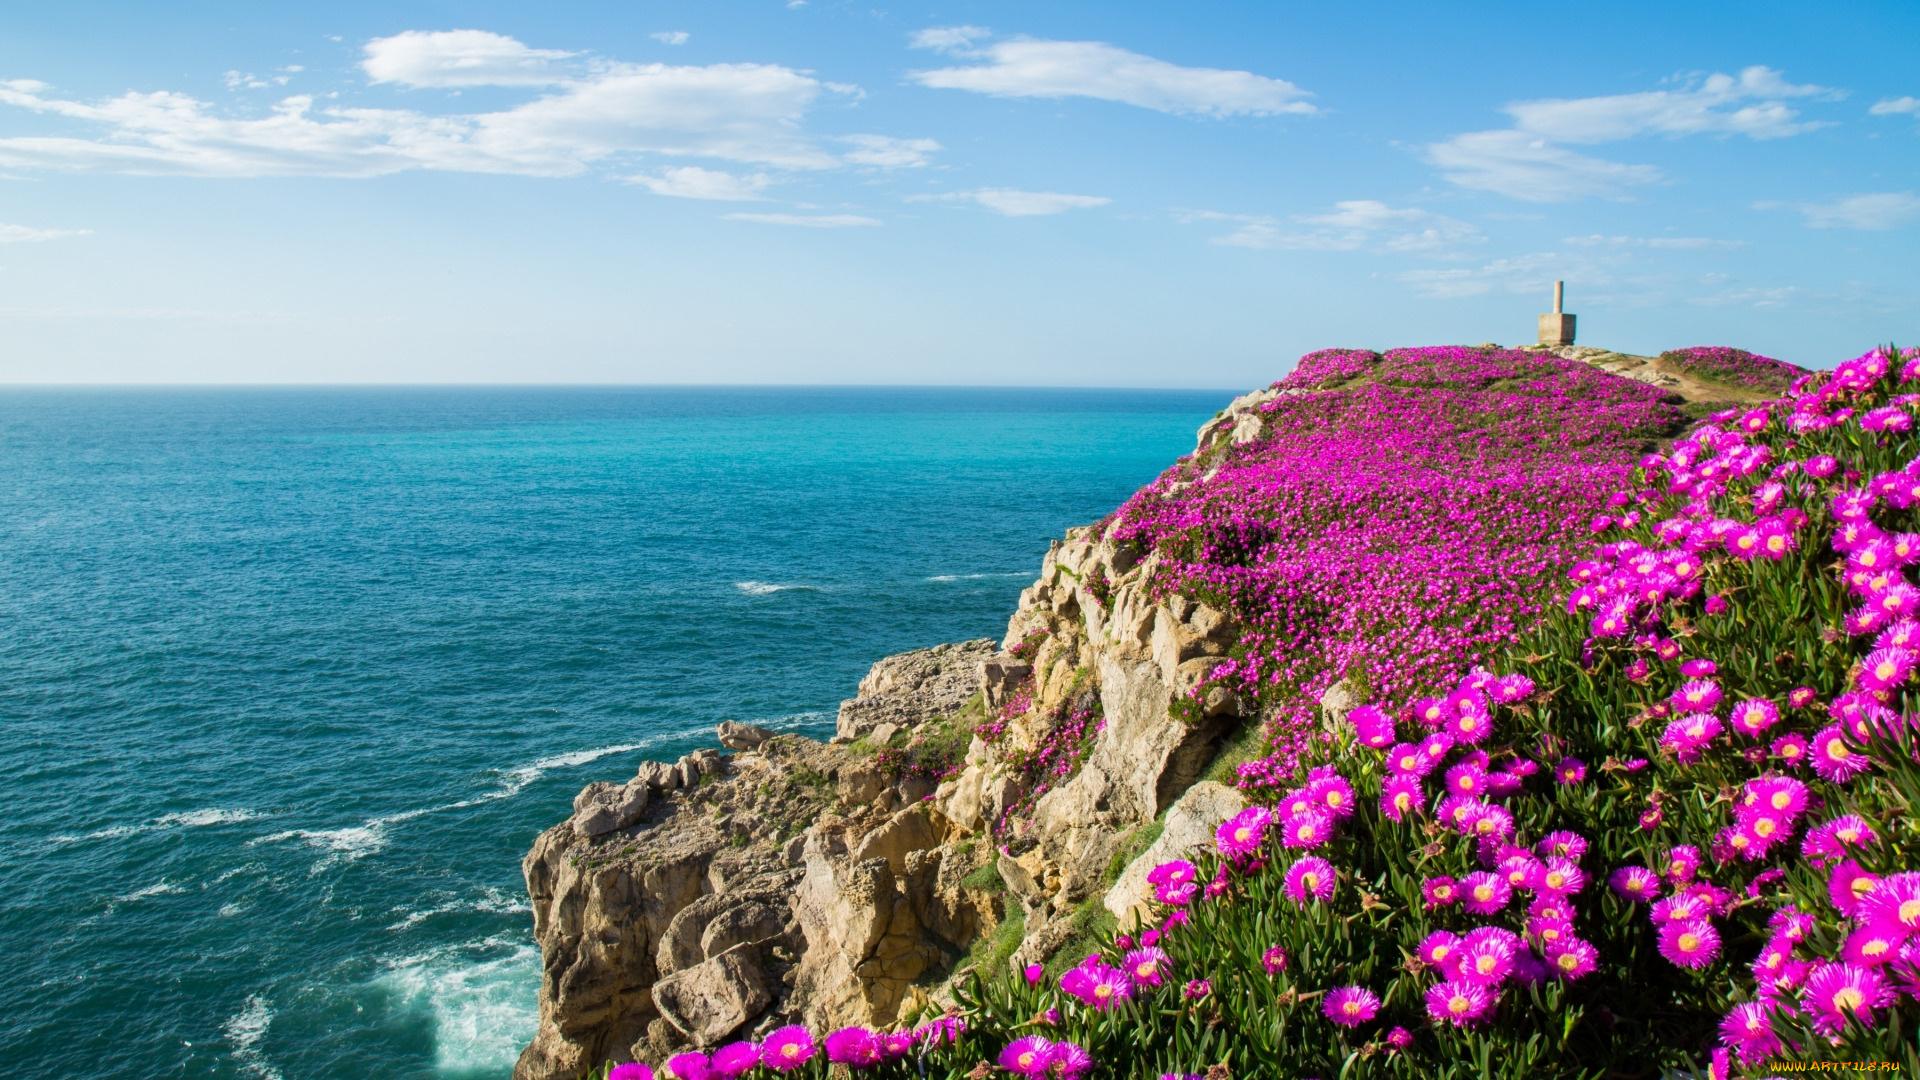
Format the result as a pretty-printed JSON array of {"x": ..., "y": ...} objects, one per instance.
[
  {"x": 1802, "y": 696},
  {"x": 1782, "y": 795},
  {"x": 1570, "y": 770},
  {"x": 1466, "y": 779},
  {"x": 1399, "y": 1038},
  {"x": 1243, "y": 833},
  {"x": 1566, "y": 845},
  {"x": 1176, "y": 895},
  {"x": 1309, "y": 878},
  {"x": 1835, "y": 992},
  {"x": 1350, "y": 1006},
  {"x": 1748, "y": 1031},
  {"x": 855, "y": 1047},
  {"x": 1562, "y": 876},
  {"x": 1884, "y": 669},
  {"x": 1432, "y": 712},
  {"x": 1147, "y": 967},
  {"x": 1401, "y": 796},
  {"x": 1486, "y": 962},
  {"x": 1035, "y": 972},
  {"x": 1177, "y": 872},
  {"x": 1458, "y": 1002},
  {"x": 1833, "y": 759},
  {"x": 1522, "y": 872},
  {"x": 1571, "y": 958},
  {"x": 1836, "y": 836},
  {"x": 1441, "y": 949},
  {"x": 1849, "y": 884},
  {"x": 1790, "y": 748},
  {"x": 1331, "y": 794},
  {"x": 1197, "y": 989},
  {"x": 1873, "y": 944},
  {"x": 787, "y": 1048},
  {"x": 1894, "y": 905},
  {"x": 632, "y": 1070},
  {"x": 692, "y": 1066},
  {"x": 1372, "y": 726},
  {"x": 1308, "y": 830},
  {"x": 1754, "y": 716},
  {"x": 1071, "y": 1059},
  {"x": 1406, "y": 759},
  {"x": 1698, "y": 668},
  {"x": 1440, "y": 892},
  {"x": 1274, "y": 960},
  {"x": 1716, "y": 605},
  {"x": 735, "y": 1060},
  {"x": 1635, "y": 883},
  {"x": 1686, "y": 735},
  {"x": 1483, "y": 893},
  {"x": 1029, "y": 1056},
  {"x": 1690, "y": 943}
]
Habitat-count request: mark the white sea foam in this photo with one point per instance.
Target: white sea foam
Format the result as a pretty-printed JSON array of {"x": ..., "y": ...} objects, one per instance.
[
  {"x": 491, "y": 901},
  {"x": 762, "y": 588},
  {"x": 482, "y": 996},
  {"x": 165, "y": 888},
  {"x": 341, "y": 845},
  {"x": 244, "y": 1030},
  {"x": 512, "y": 780},
  {"x": 977, "y": 577},
  {"x": 191, "y": 819}
]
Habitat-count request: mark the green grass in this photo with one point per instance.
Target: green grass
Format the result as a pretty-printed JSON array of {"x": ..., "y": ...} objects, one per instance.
[
  {"x": 1093, "y": 929},
  {"x": 1243, "y": 745},
  {"x": 986, "y": 879},
  {"x": 1136, "y": 842},
  {"x": 993, "y": 952}
]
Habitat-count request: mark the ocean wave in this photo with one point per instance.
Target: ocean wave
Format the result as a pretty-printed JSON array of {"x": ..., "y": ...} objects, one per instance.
[
  {"x": 165, "y": 888},
  {"x": 492, "y": 901},
  {"x": 977, "y": 577},
  {"x": 341, "y": 845},
  {"x": 244, "y": 1030},
  {"x": 791, "y": 721},
  {"x": 513, "y": 780},
  {"x": 191, "y": 819},
  {"x": 482, "y": 996},
  {"x": 762, "y": 588}
]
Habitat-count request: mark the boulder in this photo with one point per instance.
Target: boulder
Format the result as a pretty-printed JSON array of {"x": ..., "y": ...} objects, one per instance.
[
  {"x": 911, "y": 688},
  {"x": 1189, "y": 828},
  {"x": 658, "y": 775},
  {"x": 737, "y": 736},
  {"x": 912, "y": 829},
  {"x": 602, "y": 808},
  {"x": 751, "y": 923},
  {"x": 715, "y": 998}
]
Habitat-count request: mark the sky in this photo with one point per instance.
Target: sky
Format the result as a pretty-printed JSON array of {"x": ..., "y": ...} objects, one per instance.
[{"x": 810, "y": 191}]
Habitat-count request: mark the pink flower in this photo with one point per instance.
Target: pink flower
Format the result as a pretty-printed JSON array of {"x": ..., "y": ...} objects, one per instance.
[
  {"x": 1572, "y": 958},
  {"x": 1562, "y": 876},
  {"x": 1034, "y": 973},
  {"x": 1790, "y": 748},
  {"x": 1483, "y": 893},
  {"x": 1350, "y": 1006},
  {"x": 1274, "y": 960},
  {"x": 1849, "y": 884},
  {"x": 1332, "y": 794},
  {"x": 1176, "y": 895},
  {"x": 1466, "y": 779},
  {"x": 1567, "y": 845},
  {"x": 1522, "y": 872},
  {"x": 1754, "y": 716},
  {"x": 1833, "y": 759},
  {"x": 1147, "y": 967},
  {"x": 1874, "y": 944},
  {"x": 1308, "y": 830},
  {"x": 1399, "y": 1038},
  {"x": 787, "y": 1048},
  {"x": 1372, "y": 726},
  {"x": 1029, "y": 1056},
  {"x": 1177, "y": 872},
  {"x": 855, "y": 1047},
  {"x": 692, "y": 1066},
  {"x": 1687, "y": 734},
  {"x": 632, "y": 1070},
  {"x": 1748, "y": 1030},
  {"x": 1682, "y": 863},
  {"x": 1459, "y": 1003},
  {"x": 1401, "y": 796},
  {"x": 1243, "y": 833},
  {"x": 1071, "y": 1059},
  {"x": 1310, "y": 877},
  {"x": 1690, "y": 943},
  {"x": 735, "y": 1060},
  {"x": 1836, "y": 836},
  {"x": 1406, "y": 759},
  {"x": 1487, "y": 961},
  {"x": 1894, "y": 904},
  {"x": 1440, "y": 891},
  {"x": 1197, "y": 989},
  {"x": 1835, "y": 992},
  {"x": 1441, "y": 949},
  {"x": 1570, "y": 770},
  {"x": 1884, "y": 669}
]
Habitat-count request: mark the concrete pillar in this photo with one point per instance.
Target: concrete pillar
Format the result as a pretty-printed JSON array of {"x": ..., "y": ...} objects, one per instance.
[{"x": 1557, "y": 328}]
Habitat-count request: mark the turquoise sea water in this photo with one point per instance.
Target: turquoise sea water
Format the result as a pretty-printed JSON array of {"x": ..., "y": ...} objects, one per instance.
[{"x": 289, "y": 680}]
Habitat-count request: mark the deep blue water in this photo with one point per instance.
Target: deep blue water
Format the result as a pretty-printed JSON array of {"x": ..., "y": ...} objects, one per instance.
[{"x": 290, "y": 679}]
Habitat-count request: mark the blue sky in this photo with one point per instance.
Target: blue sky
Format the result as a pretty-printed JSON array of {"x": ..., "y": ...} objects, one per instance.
[{"x": 1113, "y": 194}]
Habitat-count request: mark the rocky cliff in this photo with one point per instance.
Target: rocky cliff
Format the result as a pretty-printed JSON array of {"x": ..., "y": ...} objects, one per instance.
[{"x": 781, "y": 880}]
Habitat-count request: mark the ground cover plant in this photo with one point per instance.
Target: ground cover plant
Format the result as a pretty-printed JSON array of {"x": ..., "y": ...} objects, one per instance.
[
  {"x": 1735, "y": 367},
  {"x": 1665, "y": 825}
]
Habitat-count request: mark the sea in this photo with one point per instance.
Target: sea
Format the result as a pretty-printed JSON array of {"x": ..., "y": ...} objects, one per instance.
[{"x": 290, "y": 679}]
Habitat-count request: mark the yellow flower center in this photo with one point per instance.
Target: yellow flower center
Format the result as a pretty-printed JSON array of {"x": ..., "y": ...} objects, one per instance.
[
  {"x": 1310, "y": 880},
  {"x": 1910, "y": 912},
  {"x": 1884, "y": 670},
  {"x": 1334, "y": 798},
  {"x": 1306, "y": 830},
  {"x": 1350, "y": 1007},
  {"x": 1445, "y": 892},
  {"x": 1484, "y": 964},
  {"x": 1459, "y": 1004},
  {"x": 1103, "y": 991},
  {"x": 1483, "y": 892},
  {"x": 1440, "y": 952},
  {"x": 1402, "y": 801},
  {"x": 1026, "y": 1059},
  {"x": 1144, "y": 970},
  {"x": 791, "y": 1050},
  {"x": 1408, "y": 762},
  {"x": 1555, "y": 879},
  {"x": 1781, "y": 800},
  {"x": 1790, "y": 751},
  {"x": 1764, "y": 826},
  {"x": 1848, "y": 999},
  {"x": 1850, "y": 834},
  {"x": 1689, "y": 942},
  {"x": 1568, "y": 961},
  {"x": 1242, "y": 834},
  {"x": 1863, "y": 885},
  {"x": 1468, "y": 723},
  {"x": 1874, "y": 947}
]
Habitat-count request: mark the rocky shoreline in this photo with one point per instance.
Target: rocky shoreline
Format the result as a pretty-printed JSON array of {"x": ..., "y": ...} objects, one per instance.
[{"x": 783, "y": 880}]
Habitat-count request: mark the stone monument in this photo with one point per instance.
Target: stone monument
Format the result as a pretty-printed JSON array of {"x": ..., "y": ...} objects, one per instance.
[{"x": 1557, "y": 328}]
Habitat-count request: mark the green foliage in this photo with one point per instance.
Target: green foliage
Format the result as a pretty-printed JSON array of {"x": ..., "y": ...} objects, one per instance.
[{"x": 985, "y": 878}]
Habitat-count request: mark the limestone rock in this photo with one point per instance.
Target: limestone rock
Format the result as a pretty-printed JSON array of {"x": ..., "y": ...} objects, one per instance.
[
  {"x": 1189, "y": 828},
  {"x": 714, "y": 998},
  {"x": 912, "y": 688},
  {"x": 603, "y": 808},
  {"x": 737, "y": 736}
]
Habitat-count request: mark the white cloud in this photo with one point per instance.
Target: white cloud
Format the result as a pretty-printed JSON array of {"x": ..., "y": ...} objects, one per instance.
[
  {"x": 1895, "y": 106},
  {"x": 955, "y": 39},
  {"x": 1884, "y": 210},
  {"x": 1351, "y": 226},
  {"x": 460, "y": 58},
  {"x": 1749, "y": 105},
  {"x": 738, "y": 112},
  {"x": 889, "y": 153},
  {"x": 818, "y": 221},
  {"x": 693, "y": 182},
  {"x": 1014, "y": 203},
  {"x": 1750, "y": 297},
  {"x": 1668, "y": 243},
  {"x": 20, "y": 234},
  {"x": 1523, "y": 166},
  {"x": 1028, "y": 67},
  {"x": 1520, "y": 274},
  {"x": 670, "y": 37}
]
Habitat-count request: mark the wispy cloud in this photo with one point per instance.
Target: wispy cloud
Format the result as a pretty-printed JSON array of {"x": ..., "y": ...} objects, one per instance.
[
  {"x": 1014, "y": 203},
  {"x": 1908, "y": 105},
  {"x": 1875, "y": 212},
  {"x": 1526, "y": 161},
  {"x": 1517, "y": 274},
  {"x": 586, "y": 114},
  {"x": 889, "y": 153},
  {"x": 20, "y": 234},
  {"x": 809, "y": 221},
  {"x": 1352, "y": 225},
  {"x": 1667, "y": 243},
  {"x": 1024, "y": 67},
  {"x": 693, "y": 182},
  {"x": 670, "y": 37}
]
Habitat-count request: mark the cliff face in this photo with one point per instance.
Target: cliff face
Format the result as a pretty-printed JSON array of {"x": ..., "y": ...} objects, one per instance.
[{"x": 834, "y": 884}]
